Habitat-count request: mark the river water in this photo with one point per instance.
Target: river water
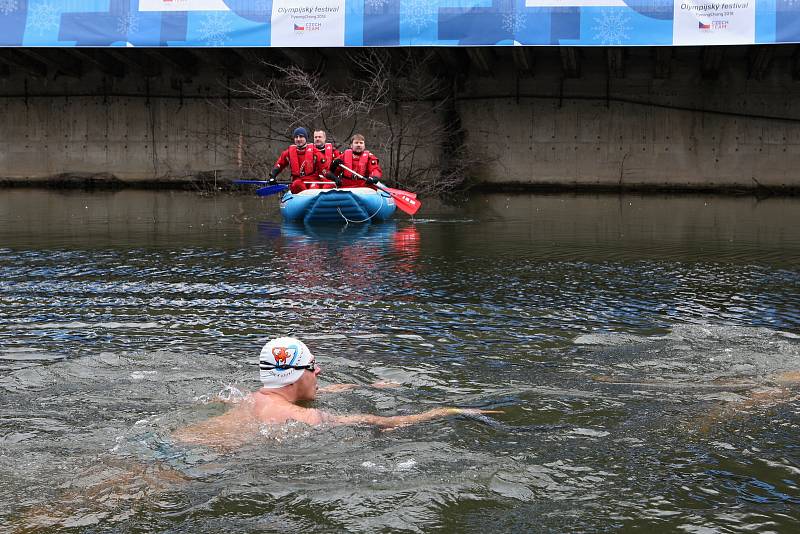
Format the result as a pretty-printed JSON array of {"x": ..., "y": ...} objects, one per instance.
[{"x": 638, "y": 347}]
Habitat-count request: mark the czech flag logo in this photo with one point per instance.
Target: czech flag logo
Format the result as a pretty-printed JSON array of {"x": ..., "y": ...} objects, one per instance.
[
  {"x": 699, "y": 25},
  {"x": 299, "y": 28}
]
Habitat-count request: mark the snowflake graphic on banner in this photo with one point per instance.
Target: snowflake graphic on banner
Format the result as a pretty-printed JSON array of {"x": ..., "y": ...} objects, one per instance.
[
  {"x": 420, "y": 13},
  {"x": 8, "y": 6},
  {"x": 43, "y": 17},
  {"x": 376, "y": 5},
  {"x": 612, "y": 28},
  {"x": 127, "y": 24},
  {"x": 214, "y": 29},
  {"x": 262, "y": 7},
  {"x": 514, "y": 22}
]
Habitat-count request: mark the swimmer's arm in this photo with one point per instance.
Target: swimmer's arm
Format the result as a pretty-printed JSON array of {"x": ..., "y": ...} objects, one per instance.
[
  {"x": 400, "y": 420},
  {"x": 338, "y": 388},
  {"x": 787, "y": 377}
]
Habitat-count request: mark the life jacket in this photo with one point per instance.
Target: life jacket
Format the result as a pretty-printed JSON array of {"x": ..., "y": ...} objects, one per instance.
[
  {"x": 327, "y": 155},
  {"x": 361, "y": 168},
  {"x": 307, "y": 166}
]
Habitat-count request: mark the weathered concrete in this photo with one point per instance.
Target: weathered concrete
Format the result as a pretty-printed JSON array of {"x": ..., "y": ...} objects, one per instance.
[
  {"x": 132, "y": 138},
  {"x": 683, "y": 118},
  {"x": 685, "y": 132}
]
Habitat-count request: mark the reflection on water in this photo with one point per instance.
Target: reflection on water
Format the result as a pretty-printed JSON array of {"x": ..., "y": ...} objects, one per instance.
[
  {"x": 333, "y": 256},
  {"x": 639, "y": 347}
]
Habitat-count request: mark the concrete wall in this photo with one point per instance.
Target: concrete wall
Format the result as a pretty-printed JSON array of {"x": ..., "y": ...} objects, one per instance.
[
  {"x": 682, "y": 132},
  {"x": 133, "y": 138},
  {"x": 708, "y": 121}
]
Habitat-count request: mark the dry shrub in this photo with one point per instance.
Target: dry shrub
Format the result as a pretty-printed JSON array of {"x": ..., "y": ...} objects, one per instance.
[{"x": 406, "y": 112}]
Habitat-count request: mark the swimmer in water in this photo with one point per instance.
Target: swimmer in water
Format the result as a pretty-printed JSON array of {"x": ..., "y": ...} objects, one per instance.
[
  {"x": 752, "y": 394},
  {"x": 288, "y": 372},
  {"x": 777, "y": 389}
]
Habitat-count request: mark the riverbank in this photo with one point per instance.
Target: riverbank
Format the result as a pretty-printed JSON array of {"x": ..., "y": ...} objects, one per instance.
[
  {"x": 757, "y": 190},
  {"x": 210, "y": 182},
  {"x": 684, "y": 120}
]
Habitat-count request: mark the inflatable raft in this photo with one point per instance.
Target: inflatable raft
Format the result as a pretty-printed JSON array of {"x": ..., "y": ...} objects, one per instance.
[{"x": 357, "y": 204}]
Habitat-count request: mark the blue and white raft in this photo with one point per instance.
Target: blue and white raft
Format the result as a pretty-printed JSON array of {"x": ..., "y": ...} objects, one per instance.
[{"x": 353, "y": 204}]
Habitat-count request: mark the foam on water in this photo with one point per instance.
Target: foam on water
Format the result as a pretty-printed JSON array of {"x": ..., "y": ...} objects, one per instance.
[
  {"x": 703, "y": 353},
  {"x": 29, "y": 354}
]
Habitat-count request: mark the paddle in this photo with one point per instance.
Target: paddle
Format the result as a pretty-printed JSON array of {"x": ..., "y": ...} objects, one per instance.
[
  {"x": 250, "y": 182},
  {"x": 400, "y": 191},
  {"x": 403, "y": 199},
  {"x": 264, "y": 191},
  {"x": 388, "y": 189},
  {"x": 271, "y": 190}
]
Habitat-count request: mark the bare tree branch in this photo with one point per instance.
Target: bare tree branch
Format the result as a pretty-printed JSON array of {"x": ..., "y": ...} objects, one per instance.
[{"x": 408, "y": 115}]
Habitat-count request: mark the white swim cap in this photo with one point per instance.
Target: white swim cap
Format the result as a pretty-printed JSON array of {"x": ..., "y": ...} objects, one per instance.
[{"x": 283, "y": 351}]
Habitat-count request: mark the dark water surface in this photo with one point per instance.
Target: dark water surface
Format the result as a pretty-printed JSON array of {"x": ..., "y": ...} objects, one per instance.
[{"x": 638, "y": 347}]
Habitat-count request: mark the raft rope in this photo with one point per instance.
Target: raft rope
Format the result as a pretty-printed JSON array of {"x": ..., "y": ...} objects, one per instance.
[{"x": 348, "y": 221}]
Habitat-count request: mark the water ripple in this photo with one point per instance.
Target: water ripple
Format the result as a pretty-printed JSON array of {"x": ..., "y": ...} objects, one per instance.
[{"x": 641, "y": 351}]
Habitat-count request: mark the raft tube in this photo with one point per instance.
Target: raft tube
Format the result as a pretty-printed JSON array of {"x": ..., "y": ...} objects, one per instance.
[{"x": 353, "y": 204}]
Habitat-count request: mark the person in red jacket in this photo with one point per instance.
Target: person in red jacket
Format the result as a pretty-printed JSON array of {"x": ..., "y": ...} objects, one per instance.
[
  {"x": 303, "y": 161},
  {"x": 358, "y": 158},
  {"x": 328, "y": 151}
]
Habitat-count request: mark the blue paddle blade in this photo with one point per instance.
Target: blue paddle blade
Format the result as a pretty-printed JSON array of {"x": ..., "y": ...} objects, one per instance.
[
  {"x": 249, "y": 182},
  {"x": 271, "y": 190}
]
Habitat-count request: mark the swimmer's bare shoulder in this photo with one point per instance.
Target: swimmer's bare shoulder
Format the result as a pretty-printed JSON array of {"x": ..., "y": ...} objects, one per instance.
[
  {"x": 272, "y": 410},
  {"x": 277, "y": 415}
]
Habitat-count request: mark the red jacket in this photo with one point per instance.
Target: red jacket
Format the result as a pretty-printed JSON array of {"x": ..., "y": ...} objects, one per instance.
[
  {"x": 301, "y": 161},
  {"x": 365, "y": 164},
  {"x": 329, "y": 153}
]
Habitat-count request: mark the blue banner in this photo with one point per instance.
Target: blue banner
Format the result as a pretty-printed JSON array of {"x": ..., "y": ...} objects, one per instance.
[{"x": 204, "y": 23}]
